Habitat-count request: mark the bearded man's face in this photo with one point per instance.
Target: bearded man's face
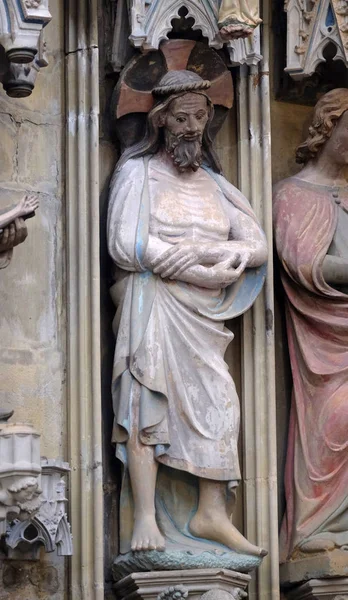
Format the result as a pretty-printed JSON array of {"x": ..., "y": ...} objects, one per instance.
[{"x": 184, "y": 125}]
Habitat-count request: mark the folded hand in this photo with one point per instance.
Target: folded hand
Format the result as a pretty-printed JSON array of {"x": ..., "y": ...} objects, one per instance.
[{"x": 178, "y": 258}]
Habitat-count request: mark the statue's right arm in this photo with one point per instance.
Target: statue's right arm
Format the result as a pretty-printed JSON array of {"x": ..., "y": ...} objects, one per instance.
[{"x": 27, "y": 205}]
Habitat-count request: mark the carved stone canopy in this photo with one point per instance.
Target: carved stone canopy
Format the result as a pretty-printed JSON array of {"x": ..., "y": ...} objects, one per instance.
[
  {"x": 311, "y": 26},
  {"x": 19, "y": 473},
  {"x": 21, "y": 23},
  {"x": 21, "y": 39},
  {"x": 151, "y": 20},
  {"x": 147, "y": 23},
  {"x": 49, "y": 527}
]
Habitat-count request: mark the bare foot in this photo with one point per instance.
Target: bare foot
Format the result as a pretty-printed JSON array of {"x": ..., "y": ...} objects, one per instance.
[
  {"x": 318, "y": 545},
  {"x": 146, "y": 535},
  {"x": 219, "y": 528}
]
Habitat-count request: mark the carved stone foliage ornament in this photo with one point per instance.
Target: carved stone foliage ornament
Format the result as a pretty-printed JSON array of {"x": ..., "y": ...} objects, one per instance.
[
  {"x": 311, "y": 26},
  {"x": 50, "y": 526},
  {"x": 20, "y": 493},
  {"x": 173, "y": 593}
]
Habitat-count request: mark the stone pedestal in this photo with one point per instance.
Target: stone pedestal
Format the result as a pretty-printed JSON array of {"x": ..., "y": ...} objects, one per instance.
[
  {"x": 333, "y": 564},
  {"x": 195, "y": 584},
  {"x": 335, "y": 588}
]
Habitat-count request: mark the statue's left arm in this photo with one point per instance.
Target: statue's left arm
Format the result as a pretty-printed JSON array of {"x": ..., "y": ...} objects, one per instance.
[{"x": 246, "y": 246}]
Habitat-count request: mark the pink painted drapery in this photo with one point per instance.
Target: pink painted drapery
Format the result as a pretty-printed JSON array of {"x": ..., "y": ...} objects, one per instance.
[{"x": 316, "y": 477}]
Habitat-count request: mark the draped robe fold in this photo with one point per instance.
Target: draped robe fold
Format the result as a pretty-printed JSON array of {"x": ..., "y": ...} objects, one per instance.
[
  {"x": 316, "y": 475},
  {"x": 171, "y": 342},
  {"x": 239, "y": 12}
]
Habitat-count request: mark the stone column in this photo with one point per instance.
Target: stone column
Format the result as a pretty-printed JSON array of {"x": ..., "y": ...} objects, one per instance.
[
  {"x": 82, "y": 189},
  {"x": 258, "y": 369}
]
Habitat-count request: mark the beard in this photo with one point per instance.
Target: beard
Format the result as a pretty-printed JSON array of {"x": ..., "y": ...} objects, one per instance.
[{"x": 186, "y": 154}]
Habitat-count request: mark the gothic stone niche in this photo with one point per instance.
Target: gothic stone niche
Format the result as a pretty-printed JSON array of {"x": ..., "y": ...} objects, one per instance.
[
  {"x": 311, "y": 26},
  {"x": 329, "y": 72},
  {"x": 150, "y": 22},
  {"x": 157, "y": 412}
]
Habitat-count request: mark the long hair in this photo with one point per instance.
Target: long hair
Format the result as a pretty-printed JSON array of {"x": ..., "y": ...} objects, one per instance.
[
  {"x": 326, "y": 114},
  {"x": 153, "y": 138}
]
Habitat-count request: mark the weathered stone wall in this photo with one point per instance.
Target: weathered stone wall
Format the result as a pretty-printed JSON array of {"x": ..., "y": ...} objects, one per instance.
[{"x": 32, "y": 291}]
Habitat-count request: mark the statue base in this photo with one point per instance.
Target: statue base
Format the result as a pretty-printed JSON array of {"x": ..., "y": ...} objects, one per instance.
[
  {"x": 320, "y": 589},
  {"x": 183, "y": 560},
  {"x": 308, "y": 567},
  {"x": 195, "y": 584}
]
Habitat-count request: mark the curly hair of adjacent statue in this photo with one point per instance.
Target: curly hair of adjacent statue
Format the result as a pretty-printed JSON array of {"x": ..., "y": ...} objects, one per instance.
[{"x": 326, "y": 114}]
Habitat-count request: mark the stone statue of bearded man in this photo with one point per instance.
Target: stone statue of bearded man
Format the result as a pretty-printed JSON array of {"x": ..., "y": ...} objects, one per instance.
[{"x": 189, "y": 253}]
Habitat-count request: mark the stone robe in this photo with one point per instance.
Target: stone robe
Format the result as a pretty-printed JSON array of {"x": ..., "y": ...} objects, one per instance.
[
  {"x": 310, "y": 223},
  {"x": 169, "y": 370}
]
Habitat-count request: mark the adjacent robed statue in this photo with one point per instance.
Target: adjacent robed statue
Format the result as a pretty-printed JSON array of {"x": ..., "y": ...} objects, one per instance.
[{"x": 311, "y": 225}]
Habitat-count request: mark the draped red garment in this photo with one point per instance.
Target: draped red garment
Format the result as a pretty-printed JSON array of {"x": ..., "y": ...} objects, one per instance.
[{"x": 316, "y": 474}]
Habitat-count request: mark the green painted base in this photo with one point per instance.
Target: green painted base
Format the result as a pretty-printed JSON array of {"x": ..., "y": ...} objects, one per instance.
[{"x": 175, "y": 560}]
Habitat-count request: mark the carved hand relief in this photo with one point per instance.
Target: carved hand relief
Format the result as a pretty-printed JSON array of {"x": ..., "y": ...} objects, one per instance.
[
  {"x": 312, "y": 244},
  {"x": 175, "y": 403},
  {"x": 13, "y": 230}
]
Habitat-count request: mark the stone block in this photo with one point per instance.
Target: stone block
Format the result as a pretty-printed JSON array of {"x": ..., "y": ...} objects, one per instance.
[
  {"x": 39, "y": 156},
  {"x": 317, "y": 566},
  {"x": 195, "y": 584},
  {"x": 8, "y": 148},
  {"x": 321, "y": 589}
]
